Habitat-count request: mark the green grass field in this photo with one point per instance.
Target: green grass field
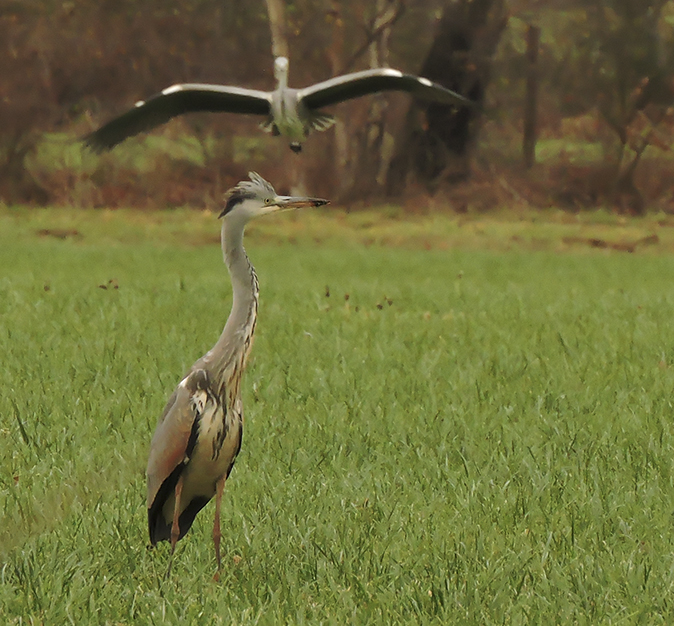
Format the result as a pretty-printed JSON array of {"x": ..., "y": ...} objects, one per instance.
[{"x": 481, "y": 434}]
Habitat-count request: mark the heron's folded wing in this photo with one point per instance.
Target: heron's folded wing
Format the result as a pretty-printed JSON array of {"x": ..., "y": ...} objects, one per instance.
[
  {"x": 174, "y": 101},
  {"x": 169, "y": 442},
  {"x": 368, "y": 82},
  {"x": 176, "y": 433}
]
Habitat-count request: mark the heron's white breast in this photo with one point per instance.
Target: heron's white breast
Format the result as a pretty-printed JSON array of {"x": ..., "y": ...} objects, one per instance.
[{"x": 286, "y": 114}]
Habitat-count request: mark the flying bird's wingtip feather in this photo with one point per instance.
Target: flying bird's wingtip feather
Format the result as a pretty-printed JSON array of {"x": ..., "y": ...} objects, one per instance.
[{"x": 93, "y": 144}]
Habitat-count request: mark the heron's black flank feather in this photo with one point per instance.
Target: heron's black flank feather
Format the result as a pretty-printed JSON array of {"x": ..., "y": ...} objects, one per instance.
[
  {"x": 187, "y": 516},
  {"x": 159, "y": 529}
]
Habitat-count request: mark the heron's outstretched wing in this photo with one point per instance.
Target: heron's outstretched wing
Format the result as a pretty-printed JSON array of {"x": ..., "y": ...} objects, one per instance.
[
  {"x": 174, "y": 101},
  {"x": 367, "y": 82},
  {"x": 172, "y": 445}
]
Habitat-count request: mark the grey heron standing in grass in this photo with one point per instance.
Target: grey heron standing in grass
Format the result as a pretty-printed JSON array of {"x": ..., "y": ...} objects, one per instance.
[
  {"x": 290, "y": 112},
  {"x": 199, "y": 434}
]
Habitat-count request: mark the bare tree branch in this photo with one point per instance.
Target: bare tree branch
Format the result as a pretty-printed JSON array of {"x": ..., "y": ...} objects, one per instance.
[{"x": 381, "y": 24}]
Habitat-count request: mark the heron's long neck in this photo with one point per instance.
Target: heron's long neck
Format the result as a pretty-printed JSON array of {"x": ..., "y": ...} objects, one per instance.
[
  {"x": 282, "y": 77},
  {"x": 235, "y": 340}
]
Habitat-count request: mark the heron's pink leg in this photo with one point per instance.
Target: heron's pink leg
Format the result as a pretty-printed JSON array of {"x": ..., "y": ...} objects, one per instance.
[{"x": 175, "y": 527}]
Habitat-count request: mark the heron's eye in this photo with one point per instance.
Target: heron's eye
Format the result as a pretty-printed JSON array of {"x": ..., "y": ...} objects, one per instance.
[{"x": 267, "y": 200}]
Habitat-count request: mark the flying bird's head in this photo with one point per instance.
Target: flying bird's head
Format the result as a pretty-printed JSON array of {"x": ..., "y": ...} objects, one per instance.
[
  {"x": 255, "y": 197},
  {"x": 281, "y": 68}
]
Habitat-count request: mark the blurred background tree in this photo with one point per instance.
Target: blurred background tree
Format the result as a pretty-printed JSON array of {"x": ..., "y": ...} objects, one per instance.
[
  {"x": 620, "y": 64},
  {"x": 605, "y": 70},
  {"x": 435, "y": 141}
]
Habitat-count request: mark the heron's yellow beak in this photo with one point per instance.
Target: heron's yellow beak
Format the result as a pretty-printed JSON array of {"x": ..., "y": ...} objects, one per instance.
[{"x": 296, "y": 202}]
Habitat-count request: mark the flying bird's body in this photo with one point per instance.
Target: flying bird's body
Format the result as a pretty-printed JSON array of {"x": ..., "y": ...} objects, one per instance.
[
  {"x": 199, "y": 434},
  {"x": 293, "y": 113},
  {"x": 288, "y": 116}
]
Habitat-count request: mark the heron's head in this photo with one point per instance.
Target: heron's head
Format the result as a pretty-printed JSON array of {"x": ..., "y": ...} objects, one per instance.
[
  {"x": 254, "y": 197},
  {"x": 280, "y": 67}
]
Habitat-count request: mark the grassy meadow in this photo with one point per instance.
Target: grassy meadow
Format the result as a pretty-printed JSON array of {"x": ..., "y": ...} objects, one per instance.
[{"x": 448, "y": 421}]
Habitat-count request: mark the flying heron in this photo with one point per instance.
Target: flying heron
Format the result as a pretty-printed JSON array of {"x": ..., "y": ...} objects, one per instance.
[
  {"x": 290, "y": 112},
  {"x": 199, "y": 433}
]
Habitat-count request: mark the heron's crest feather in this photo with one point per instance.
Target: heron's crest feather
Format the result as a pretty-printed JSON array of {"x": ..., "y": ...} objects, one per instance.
[{"x": 256, "y": 187}]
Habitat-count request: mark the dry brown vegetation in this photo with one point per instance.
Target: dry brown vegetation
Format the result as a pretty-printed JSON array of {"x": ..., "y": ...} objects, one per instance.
[{"x": 605, "y": 126}]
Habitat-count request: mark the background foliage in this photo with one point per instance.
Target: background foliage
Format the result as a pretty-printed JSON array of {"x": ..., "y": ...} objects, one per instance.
[{"x": 605, "y": 75}]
